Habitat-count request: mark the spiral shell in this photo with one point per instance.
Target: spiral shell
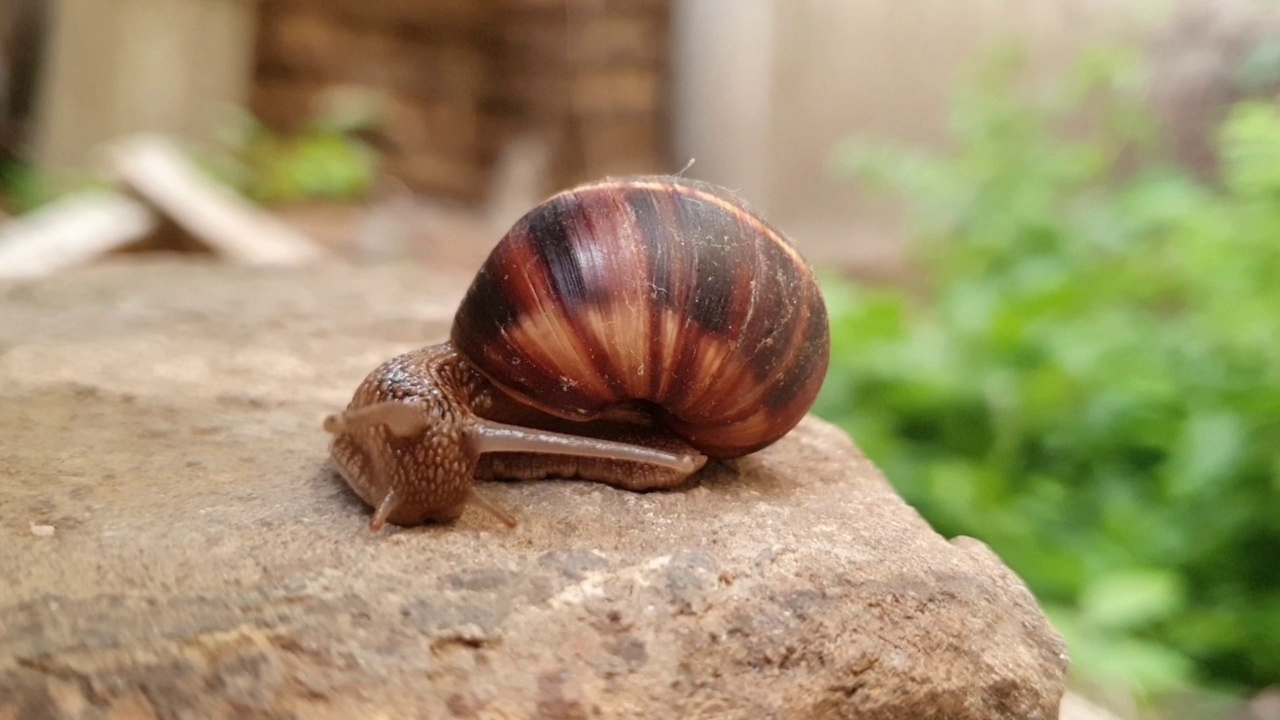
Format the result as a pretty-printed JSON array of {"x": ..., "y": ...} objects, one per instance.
[{"x": 664, "y": 294}]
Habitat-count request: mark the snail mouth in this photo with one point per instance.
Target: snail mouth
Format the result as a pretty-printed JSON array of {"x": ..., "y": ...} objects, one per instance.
[{"x": 393, "y": 509}]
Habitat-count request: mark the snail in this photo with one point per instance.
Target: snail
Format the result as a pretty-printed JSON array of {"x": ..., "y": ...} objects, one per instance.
[{"x": 625, "y": 331}]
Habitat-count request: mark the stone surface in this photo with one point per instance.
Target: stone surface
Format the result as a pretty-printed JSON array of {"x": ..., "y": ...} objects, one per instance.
[{"x": 174, "y": 544}]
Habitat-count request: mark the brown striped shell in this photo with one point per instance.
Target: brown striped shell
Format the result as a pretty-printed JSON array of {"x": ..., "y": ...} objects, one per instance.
[{"x": 660, "y": 293}]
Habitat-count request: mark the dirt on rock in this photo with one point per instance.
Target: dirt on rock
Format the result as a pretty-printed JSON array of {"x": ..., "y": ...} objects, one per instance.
[{"x": 174, "y": 542}]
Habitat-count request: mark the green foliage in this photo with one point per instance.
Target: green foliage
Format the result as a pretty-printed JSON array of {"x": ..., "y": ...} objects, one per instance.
[
  {"x": 1092, "y": 385},
  {"x": 22, "y": 187},
  {"x": 324, "y": 161},
  {"x": 25, "y": 188}
]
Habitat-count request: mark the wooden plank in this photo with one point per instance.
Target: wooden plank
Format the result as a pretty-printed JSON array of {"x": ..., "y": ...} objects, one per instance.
[
  {"x": 69, "y": 232},
  {"x": 155, "y": 169}
]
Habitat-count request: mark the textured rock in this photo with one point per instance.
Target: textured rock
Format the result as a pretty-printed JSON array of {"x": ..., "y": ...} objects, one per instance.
[{"x": 174, "y": 544}]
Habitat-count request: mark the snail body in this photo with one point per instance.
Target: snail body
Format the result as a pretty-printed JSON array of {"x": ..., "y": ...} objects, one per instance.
[{"x": 625, "y": 331}]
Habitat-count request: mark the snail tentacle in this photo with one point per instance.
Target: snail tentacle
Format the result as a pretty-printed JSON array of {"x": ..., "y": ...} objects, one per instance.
[
  {"x": 403, "y": 418},
  {"x": 388, "y": 505}
]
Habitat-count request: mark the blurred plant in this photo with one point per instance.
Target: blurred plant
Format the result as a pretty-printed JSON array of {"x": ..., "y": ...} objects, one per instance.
[
  {"x": 22, "y": 187},
  {"x": 325, "y": 160},
  {"x": 1093, "y": 384}
]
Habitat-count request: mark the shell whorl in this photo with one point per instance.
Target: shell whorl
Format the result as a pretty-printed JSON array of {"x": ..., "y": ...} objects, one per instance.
[{"x": 662, "y": 293}]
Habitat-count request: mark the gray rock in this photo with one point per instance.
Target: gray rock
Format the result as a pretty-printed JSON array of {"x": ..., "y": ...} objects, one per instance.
[{"x": 174, "y": 543}]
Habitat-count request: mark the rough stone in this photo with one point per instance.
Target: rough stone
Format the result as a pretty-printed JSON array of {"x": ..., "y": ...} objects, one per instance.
[{"x": 204, "y": 560}]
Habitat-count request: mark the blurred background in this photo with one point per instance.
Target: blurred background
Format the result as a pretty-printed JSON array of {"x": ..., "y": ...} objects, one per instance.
[{"x": 1049, "y": 233}]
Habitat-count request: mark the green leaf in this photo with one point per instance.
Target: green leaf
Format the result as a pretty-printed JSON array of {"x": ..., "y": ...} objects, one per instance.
[
  {"x": 1209, "y": 453},
  {"x": 1132, "y": 598}
]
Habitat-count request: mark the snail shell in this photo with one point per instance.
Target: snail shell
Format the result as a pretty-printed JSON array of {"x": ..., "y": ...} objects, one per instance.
[
  {"x": 623, "y": 331},
  {"x": 664, "y": 294}
]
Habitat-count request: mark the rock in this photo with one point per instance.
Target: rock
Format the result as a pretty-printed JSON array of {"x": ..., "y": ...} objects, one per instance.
[
  {"x": 164, "y": 417},
  {"x": 1077, "y": 707}
]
